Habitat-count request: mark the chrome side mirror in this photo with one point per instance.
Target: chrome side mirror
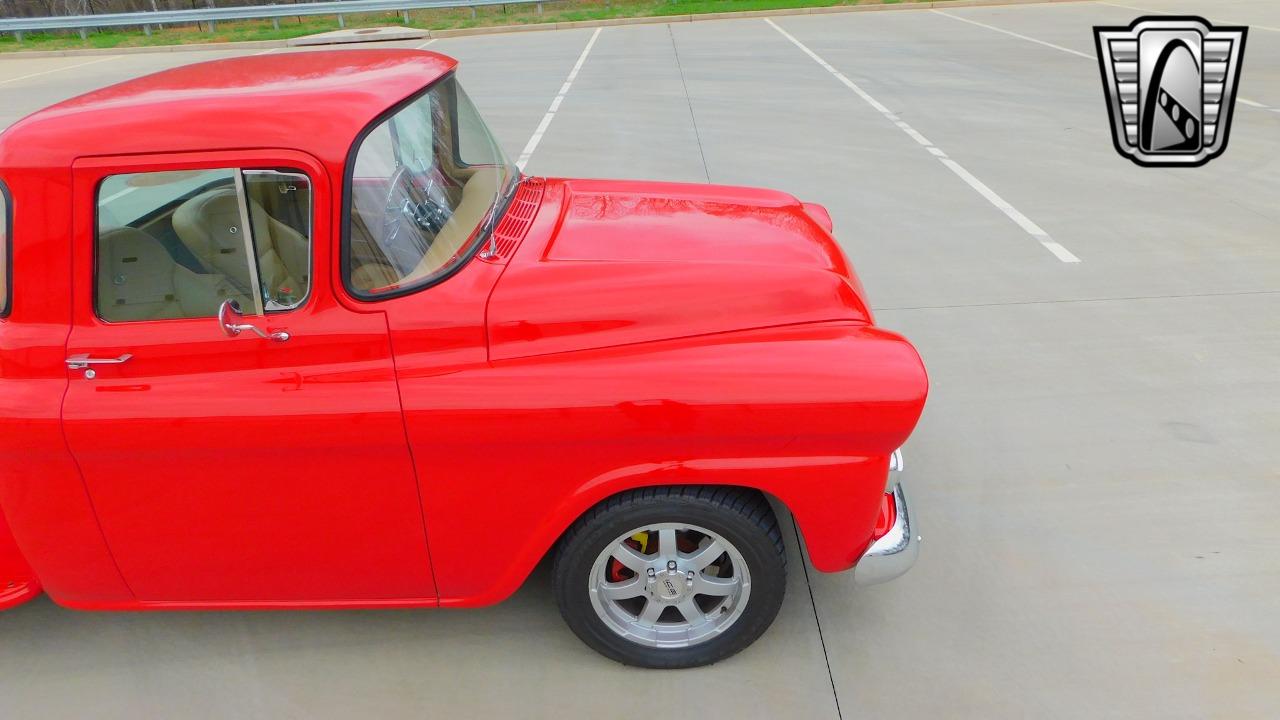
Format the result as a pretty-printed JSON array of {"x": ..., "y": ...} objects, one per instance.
[{"x": 231, "y": 320}]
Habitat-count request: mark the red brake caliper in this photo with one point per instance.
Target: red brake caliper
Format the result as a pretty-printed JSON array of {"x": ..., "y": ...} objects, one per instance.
[
  {"x": 619, "y": 572},
  {"x": 640, "y": 541}
]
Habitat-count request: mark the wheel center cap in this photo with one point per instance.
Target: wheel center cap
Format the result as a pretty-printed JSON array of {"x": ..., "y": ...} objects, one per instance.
[{"x": 668, "y": 586}]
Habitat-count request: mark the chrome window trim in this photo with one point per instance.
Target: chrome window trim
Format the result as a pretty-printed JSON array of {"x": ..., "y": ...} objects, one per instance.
[
  {"x": 311, "y": 241},
  {"x": 250, "y": 245}
]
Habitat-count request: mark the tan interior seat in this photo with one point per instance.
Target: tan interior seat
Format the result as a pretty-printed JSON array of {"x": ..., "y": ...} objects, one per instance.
[
  {"x": 370, "y": 275},
  {"x": 209, "y": 226},
  {"x": 368, "y": 272},
  {"x": 477, "y": 196},
  {"x": 135, "y": 277},
  {"x": 139, "y": 280},
  {"x": 284, "y": 254}
]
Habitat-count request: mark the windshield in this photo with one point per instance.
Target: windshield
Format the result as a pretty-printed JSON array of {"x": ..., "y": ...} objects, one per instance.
[{"x": 426, "y": 185}]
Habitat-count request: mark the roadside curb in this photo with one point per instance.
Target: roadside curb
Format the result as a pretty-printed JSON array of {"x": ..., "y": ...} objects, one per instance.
[
  {"x": 152, "y": 50},
  {"x": 538, "y": 27}
]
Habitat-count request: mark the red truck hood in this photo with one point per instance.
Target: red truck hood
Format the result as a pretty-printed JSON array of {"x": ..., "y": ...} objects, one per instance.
[{"x": 610, "y": 263}]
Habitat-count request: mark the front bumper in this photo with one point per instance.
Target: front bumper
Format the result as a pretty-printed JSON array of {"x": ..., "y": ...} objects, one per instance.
[{"x": 894, "y": 552}]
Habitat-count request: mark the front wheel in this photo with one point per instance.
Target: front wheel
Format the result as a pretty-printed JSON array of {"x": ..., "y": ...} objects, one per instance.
[{"x": 672, "y": 577}]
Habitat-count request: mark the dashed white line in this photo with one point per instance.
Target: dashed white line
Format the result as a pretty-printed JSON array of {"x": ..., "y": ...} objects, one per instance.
[
  {"x": 555, "y": 104},
  {"x": 1024, "y": 222},
  {"x": 68, "y": 67},
  {"x": 912, "y": 133}
]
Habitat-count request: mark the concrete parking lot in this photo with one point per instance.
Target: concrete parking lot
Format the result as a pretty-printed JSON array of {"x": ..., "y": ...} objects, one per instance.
[{"x": 1097, "y": 474}]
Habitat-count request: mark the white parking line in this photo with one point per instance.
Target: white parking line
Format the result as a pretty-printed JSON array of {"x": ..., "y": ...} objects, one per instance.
[
  {"x": 1089, "y": 56},
  {"x": 1017, "y": 35},
  {"x": 68, "y": 67},
  {"x": 1024, "y": 222},
  {"x": 555, "y": 104},
  {"x": 423, "y": 45},
  {"x": 1168, "y": 12},
  {"x": 1131, "y": 7}
]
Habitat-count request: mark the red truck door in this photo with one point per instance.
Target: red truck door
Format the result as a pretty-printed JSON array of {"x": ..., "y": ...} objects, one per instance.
[{"x": 240, "y": 470}]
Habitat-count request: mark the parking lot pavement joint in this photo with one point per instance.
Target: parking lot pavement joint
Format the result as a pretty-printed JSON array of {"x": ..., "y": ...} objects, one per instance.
[
  {"x": 706, "y": 171},
  {"x": 1021, "y": 220},
  {"x": 813, "y": 603}
]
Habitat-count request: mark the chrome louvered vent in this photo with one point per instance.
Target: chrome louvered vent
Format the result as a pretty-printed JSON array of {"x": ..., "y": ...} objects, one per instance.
[{"x": 515, "y": 223}]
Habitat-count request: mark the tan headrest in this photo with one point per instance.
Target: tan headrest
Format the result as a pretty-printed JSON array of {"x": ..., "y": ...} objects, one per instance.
[{"x": 209, "y": 225}]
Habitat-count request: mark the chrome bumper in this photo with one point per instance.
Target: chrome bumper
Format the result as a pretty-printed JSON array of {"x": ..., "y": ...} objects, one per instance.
[{"x": 895, "y": 552}]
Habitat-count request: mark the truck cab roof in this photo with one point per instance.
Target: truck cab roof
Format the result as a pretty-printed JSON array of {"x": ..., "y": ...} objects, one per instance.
[{"x": 316, "y": 102}]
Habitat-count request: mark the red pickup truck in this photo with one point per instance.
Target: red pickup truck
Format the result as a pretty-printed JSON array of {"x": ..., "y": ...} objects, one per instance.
[{"x": 293, "y": 332}]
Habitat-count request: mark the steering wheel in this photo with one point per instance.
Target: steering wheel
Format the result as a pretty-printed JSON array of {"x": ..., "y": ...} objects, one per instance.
[{"x": 406, "y": 201}]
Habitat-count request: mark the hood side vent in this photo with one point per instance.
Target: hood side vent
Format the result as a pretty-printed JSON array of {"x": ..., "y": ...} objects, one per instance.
[{"x": 515, "y": 223}]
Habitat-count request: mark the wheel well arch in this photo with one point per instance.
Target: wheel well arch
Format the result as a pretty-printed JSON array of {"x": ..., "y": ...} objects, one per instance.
[
  {"x": 654, "y": 490},
  {"x": 833, "y": 499},
  {"x": 545, "y": 542}
]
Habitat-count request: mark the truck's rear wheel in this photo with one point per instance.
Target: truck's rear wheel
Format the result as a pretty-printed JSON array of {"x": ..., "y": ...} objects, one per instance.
[{"x": 672, "y": 577}]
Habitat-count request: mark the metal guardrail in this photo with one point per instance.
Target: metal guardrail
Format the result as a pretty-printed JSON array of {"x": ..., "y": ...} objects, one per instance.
[{"x": 212, "y": 15}]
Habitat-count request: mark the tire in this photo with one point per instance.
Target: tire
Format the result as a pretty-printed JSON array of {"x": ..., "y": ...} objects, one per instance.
[{"x": 745, "y": 584}]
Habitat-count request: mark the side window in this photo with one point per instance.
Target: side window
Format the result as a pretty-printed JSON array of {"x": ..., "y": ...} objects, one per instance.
[
  {"x": 177, "y": 244},
  {"x": 6, "y": 220}
]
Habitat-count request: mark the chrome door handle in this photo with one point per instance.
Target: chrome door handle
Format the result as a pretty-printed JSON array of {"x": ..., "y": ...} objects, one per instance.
[
  {"x": 229, "y": 313},
  {"x": 279, "y": 335},
  {"x": 80, "y": 362}
]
